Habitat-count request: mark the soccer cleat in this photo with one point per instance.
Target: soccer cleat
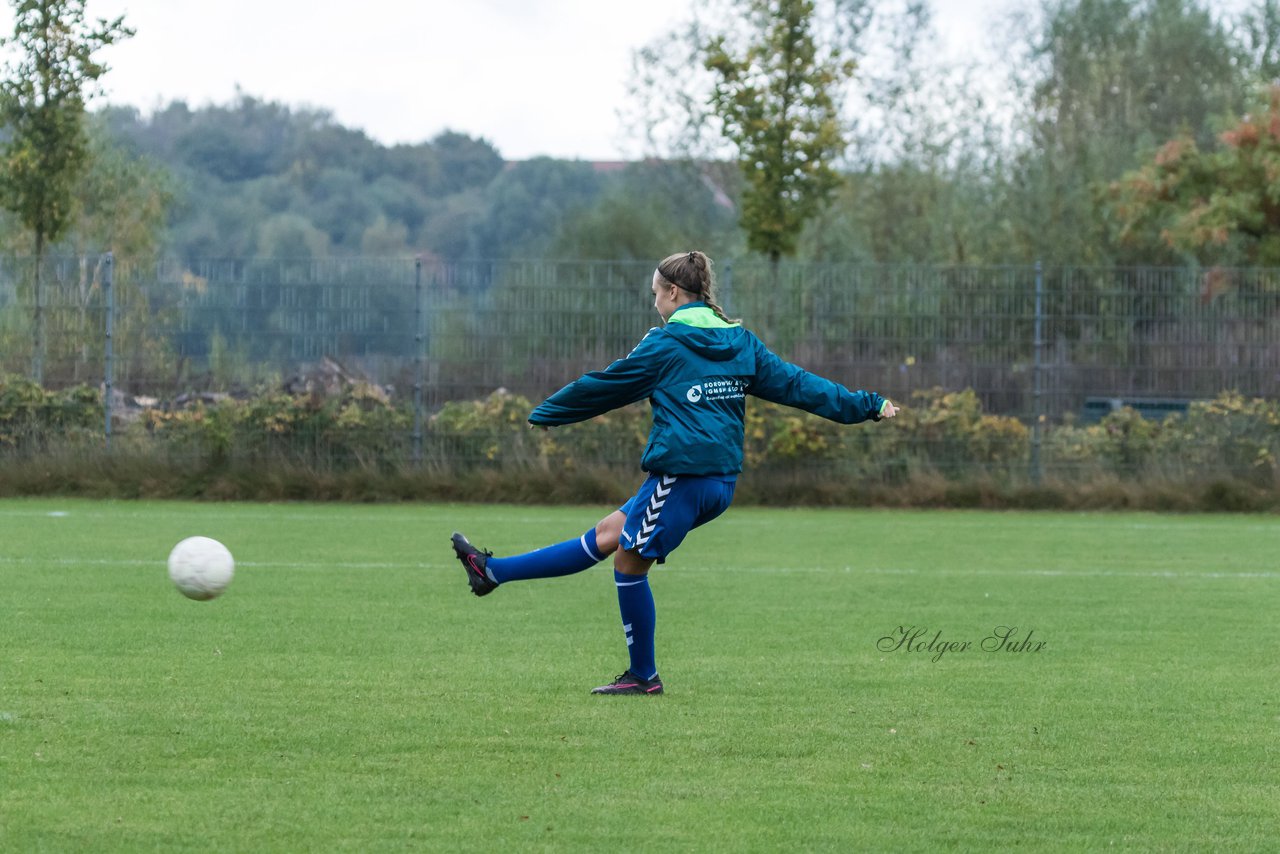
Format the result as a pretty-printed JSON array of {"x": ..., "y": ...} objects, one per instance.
[
  {"x": 629, "y": 683},
  {"x": 473, "y": 561}
]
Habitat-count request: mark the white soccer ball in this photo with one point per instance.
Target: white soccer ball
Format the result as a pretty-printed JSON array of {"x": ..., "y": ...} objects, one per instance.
[{"x": 201, "y": 568}]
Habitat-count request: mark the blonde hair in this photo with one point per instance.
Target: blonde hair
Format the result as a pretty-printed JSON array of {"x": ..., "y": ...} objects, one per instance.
[{"x": 691, "y": 271}]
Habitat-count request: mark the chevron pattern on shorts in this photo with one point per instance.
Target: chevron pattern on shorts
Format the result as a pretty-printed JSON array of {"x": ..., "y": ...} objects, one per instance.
[{"x": 650, "y": 522}]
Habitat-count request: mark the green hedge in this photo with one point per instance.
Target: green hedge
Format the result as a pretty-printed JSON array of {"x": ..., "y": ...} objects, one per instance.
[
  {"x": 32, "y": 418},
  {"x": 941, "y": 450}
]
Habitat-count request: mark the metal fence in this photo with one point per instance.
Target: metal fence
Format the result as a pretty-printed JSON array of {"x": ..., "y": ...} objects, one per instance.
[{"x": 1032, "y": 343}]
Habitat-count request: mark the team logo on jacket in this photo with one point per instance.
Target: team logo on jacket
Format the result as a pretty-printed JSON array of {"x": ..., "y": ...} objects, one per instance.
[{"x": 725, "y": 389}]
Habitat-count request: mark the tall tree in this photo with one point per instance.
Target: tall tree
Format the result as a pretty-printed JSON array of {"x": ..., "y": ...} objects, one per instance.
[
  {"x": 1112, "y": 79},
  {"x": 1260, "y": 29},
  {"x": 778, "y": 100},
  {"x": 925, "y": 168},
  {"x": 42, "y": 108}
]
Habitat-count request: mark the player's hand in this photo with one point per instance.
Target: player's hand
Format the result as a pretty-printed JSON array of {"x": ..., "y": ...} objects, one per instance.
[
  {"x": 533, "y": 426},
  {"x": 889, "y": 410}
]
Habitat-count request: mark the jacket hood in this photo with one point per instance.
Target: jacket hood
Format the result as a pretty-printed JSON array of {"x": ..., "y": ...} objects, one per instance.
[{"x": 696, "y": 326}]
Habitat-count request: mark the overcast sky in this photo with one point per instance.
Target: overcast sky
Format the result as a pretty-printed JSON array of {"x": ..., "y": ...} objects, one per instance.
[{"x": 530, "y": 76}]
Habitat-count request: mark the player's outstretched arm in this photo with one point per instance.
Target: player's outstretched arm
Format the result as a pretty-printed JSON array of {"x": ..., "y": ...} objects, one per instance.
[
  {"x": 625, "y": 381},
  {"x": 782, "y": 382}
]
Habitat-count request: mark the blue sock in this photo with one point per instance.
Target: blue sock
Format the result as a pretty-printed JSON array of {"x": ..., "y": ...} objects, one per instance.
[
  {"x": 639, "y": 618},
  {"x": 561, "y": 559}
]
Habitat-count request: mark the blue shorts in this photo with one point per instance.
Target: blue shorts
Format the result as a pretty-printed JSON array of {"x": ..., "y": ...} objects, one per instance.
[{"x": 667, "y": 507}]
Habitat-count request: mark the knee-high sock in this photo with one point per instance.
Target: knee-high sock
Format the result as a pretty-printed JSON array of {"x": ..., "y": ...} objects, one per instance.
[
  {"x": 561, "y": 559},
  {"x": 639, "y": 618}
]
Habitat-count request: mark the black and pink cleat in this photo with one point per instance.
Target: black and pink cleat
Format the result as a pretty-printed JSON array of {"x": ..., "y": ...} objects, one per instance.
[
  {"x": 629, "y": 683},
  {"x": 473, "y": 561}
]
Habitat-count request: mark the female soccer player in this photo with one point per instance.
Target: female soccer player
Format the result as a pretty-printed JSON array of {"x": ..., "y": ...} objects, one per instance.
[{"x": 696, "y": 371}]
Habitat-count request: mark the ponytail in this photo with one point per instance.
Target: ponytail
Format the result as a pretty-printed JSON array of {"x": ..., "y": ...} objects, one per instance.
[
  {"x": 719, "y": 312},
  {"x": 691, "y": 271}
]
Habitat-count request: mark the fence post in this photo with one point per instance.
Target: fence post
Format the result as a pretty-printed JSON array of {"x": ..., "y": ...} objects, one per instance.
[
  {"x": 1037, "y": 471},
  {"x": 38, "y": 327},
  {"x": 108, "y": 362},
  {"x": 418, "y": 342}
]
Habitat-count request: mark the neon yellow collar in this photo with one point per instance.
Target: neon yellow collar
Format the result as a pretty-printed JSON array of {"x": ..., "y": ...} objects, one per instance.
[{"x": 698, "y": 315}]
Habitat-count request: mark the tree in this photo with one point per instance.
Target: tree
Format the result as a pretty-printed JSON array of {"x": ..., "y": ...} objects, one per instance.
[
  {"x": 925, "y": 170},
  {"x": 42, "y": 107},
  {"x": 1260, "y": 27},
  {"x": 384, "y": 239},
  {"x": 1220, "y": 206},
  {"x": 239, "y": 164},
  {"x": 526, "y": 205},
  {"x": 667, "y": 114},
  {"x": 778, "y": 102},
  {"x": 291, "y": 237},
  {"x": 464, "y": 162},
  {"x": 451, "y": 227},
  {"x": 121, "y": 201},
  {"x": 635, "y": 217},
  {"x": 1111, "y": 79}
]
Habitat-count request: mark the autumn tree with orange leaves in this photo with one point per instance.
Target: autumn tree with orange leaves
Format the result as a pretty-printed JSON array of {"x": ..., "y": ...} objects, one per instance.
[{"x": 1219, "y": 207}]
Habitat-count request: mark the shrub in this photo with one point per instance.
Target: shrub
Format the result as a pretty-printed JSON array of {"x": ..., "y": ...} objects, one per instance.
[
  {"x": 942, "y": 450},
  {"x": 31, "y": 416}
]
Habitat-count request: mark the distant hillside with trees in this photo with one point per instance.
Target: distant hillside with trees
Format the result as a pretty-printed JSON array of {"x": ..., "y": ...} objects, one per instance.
[
  {"x": 932, "y": 167},
  {"x": 261, "y": 179}
]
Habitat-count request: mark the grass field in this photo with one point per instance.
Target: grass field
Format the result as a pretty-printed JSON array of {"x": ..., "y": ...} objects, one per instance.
[{"x": 348, "y": 693}]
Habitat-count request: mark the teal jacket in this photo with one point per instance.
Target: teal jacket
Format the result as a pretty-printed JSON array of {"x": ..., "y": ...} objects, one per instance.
[{"x": 697, "y": 371}]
